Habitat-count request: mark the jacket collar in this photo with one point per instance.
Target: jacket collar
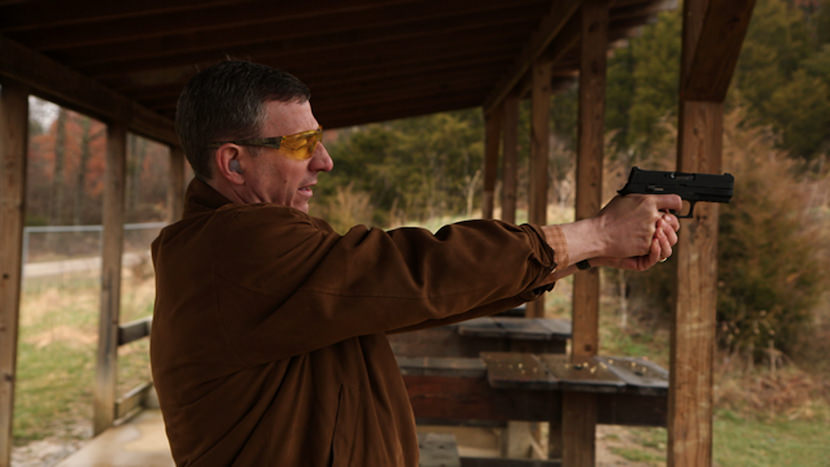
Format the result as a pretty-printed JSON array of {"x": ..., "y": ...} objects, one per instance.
[{"x": 201, "y": 197}]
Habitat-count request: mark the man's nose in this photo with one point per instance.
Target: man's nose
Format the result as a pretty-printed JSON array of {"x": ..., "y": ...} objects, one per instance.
[{"x": 321, "y": 159}]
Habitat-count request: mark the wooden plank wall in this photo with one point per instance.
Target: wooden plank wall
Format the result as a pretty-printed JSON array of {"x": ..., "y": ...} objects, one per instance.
[
  {"x": 14, "y": 131},
  {"x": 579, "y": 410}
]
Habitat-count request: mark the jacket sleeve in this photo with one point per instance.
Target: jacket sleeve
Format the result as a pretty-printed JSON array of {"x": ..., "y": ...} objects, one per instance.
[{"x": 299, "y": 286}]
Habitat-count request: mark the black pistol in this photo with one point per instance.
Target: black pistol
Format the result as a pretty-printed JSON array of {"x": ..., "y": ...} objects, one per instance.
[{"x": 692, "y": 187}]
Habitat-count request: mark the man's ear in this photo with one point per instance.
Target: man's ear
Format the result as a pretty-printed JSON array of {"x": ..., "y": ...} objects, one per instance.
[{"x": 228, "y": 165}]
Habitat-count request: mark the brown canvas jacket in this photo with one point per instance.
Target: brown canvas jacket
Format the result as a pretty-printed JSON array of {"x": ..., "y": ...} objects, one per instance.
[{"x": 268, "y": 343}]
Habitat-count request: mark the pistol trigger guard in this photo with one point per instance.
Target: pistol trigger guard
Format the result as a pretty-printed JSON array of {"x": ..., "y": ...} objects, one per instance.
[{"x": 689, "y": 214}]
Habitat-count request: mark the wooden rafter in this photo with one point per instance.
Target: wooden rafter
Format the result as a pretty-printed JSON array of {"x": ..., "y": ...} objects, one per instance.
[
  {"x": 551, "y": 24},
  {"x": 55, "y": 81},
  {"x": 245, "y": 23},
  {"x": 721, "y": 34}
]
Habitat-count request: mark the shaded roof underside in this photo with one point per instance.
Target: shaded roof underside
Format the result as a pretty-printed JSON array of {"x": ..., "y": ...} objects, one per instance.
[{"x": 365, "y": 60}]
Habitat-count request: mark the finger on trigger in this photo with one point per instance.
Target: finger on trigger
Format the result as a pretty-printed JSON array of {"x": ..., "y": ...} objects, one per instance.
[{"x": 669, "y": 202}]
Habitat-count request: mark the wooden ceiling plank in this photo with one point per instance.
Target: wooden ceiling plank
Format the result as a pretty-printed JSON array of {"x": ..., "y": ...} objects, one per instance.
[
  {"x": 380, "y": 95},
  {"x": 249, "y": 20},
  {"x": 295, "y": 59},
  {"x": 358, "y": 61},
  {"x": 716, "y": 51},
  {"x": 297, "y": 36},
  {"x": 348, "y": 71},
  {"x": 48, "y": 13},
  {"x": 644, "y": 9},
  {"x": 564, "y": 47},
  {"x": 55, "y": 81},
  {"x": 557, "y": 17},
  {"x": 361, "y": 94}
]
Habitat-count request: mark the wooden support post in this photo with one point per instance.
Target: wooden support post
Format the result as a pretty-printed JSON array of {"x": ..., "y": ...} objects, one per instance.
[
  {"x": 175, "y": 191},
  {"x": 14, "y": 131},
  {"x": 693, "y": 329},
  {"x": 589, "y": 167},
  {"x": 510, "y": 139},
  {"x": 579, "y": 410},
  {"x": 710, "y": 45},
  {"x": 539, "y": 152},
  {"x": 112, "y": 248},
  {"x": 492, "y": 135}
]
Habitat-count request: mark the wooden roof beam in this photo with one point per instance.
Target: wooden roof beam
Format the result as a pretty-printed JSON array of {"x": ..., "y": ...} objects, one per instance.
[
  {"x": 558, "y": 16},
  {"x": 28, "y": 15},
  {"x": 358, "y": 76},
  {"x": 249, "y": 19},
  {"x": 716, "y": 52},
  {"x": 256, "y": 41},
  {"x": 564, "y": 45},
  {"x": 383, "y": 62},
  {"x": 65, "y": 86},
  {"x": 169, "y": 69}
]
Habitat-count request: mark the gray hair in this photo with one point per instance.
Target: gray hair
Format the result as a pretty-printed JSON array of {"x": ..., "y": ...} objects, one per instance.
[{"x": 226, "y": 101}]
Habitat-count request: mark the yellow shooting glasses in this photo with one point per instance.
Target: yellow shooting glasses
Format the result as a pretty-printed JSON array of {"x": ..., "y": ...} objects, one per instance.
[{"x": 298, "y": 146}]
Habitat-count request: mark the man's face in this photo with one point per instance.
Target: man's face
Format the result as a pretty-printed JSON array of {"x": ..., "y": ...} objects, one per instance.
[{"x": 271, "y": 176}]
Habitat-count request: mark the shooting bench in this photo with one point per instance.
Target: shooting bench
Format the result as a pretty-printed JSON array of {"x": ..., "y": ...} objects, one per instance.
[
  {"x": 489, "y": 371},
  {"x": 491, "y": 334}
]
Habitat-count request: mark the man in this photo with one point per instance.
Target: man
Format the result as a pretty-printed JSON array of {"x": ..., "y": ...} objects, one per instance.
[{"x": 268, "y": 342}]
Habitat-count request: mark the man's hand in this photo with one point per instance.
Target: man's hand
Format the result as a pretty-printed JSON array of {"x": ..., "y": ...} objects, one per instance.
[
  {"x": 629, "y": 223},
  {"x": 631, "y": 232},
  {"x": 665, "y": 237}
]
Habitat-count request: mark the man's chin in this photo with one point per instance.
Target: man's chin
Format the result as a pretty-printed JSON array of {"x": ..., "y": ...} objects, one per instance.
[{"x": 302, "y": 206}]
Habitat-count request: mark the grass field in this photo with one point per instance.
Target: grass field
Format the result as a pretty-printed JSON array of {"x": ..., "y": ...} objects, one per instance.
[
  {"x": 763, "y": 416},
  {"x": 57, "y": 347}
]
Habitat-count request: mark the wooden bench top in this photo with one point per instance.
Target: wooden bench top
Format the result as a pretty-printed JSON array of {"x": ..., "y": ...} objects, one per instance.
[
  {"x": 551, "y": 372},
  {"x": 491, "y": 334},
  {"x": 501, "y": 386},
  {"x": 516, "y": 328}
]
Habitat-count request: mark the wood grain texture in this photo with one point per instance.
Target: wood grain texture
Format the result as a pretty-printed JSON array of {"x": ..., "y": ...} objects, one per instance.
[
  {"x": 65, "y": 86},
  {"x": 539, "y": 152},
  {"x": 112, "y": 248},
  {"x": 700, "y": 133},
  {"x": 579, "y": 411},
  {"x": 550, "y": 26},
  {"x": 693, "y": 330},
  {"x": 712, "y": 63},
  {"x": 579, "y": 415},
  {"x": 14, "y": 121},
  {"x": 492, "y": 140},
  {"x": 510, "y": 158}
]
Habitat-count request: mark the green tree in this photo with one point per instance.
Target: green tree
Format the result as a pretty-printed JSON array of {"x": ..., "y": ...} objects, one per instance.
[
  {"x": 642, "y": 87},
  {"x": 775, "y": 44},
  {"x": 656, "y": 74},
  {"x": 783, "y": 75},
  {"x": 415, "y": 168},
  {"x": 801, "y": 110}
]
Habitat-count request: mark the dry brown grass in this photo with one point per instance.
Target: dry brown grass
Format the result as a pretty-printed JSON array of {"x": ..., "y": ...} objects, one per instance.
[{"x": 768, "y": 391}]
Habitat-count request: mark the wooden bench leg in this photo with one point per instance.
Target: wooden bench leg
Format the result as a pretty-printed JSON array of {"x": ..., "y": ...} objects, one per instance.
[
  {"x": 438, "y": 450},
  {"x": 579, "y": 421}
]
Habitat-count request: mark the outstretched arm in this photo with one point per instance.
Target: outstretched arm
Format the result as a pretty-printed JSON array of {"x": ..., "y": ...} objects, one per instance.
[{"x": 630, "y": 232}]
